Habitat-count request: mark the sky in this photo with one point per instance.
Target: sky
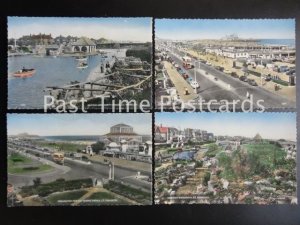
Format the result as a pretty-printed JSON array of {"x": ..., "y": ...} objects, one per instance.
[
  {"x": 76, "y": 124},
  {"x": 190, "y": 29},
  {"x": 118, "y": 29},
  {"x": 268, "y": 125}
]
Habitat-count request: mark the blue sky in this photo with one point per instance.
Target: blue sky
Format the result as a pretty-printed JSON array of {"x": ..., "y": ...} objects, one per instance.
[
  {"x": 187, "y": 29},
  {"x": 269, "y": 125},
  {"x": 132, "y": 29},
  {"x": 76, "y": 124}
]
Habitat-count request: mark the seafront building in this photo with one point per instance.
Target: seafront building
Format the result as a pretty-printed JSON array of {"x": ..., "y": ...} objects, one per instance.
[
  {"x": 252, "y": 51},
  {"x": 84, "y": 44},
  {"x": 123, "y": 142},
  {"x": 169, "y": 135}
]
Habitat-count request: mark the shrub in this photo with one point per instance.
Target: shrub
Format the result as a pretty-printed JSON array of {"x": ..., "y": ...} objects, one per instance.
[
  {"x": 206, "y": 178},
  {"x": 281, "y": 82}
]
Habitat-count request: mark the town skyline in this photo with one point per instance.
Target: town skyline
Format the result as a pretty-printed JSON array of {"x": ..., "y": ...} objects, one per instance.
[
  {"x": 117, "y": 29},
  {"x": 235, "y": 124},
  {"x": 63, "y": 124},
  {"x": 197, "y": 29}
]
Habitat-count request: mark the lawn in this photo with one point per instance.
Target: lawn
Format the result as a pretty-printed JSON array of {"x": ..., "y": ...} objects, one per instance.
[
  {"x": 16, "y": 158},
  {"x": 64, "y": 146},
  {"x": 267, "y": 154},
  {"x": 256, "y": 159},
  {"x": 282, "y": 82},
  {"x": 55, "y": 199},
  {"x": 19, "y": 164},
  {"x": 56, "y": 186},
  {"x": 129, "y": 192},
  {"x": 29, "y": 169},
  {"x": 213, "y": 150}
]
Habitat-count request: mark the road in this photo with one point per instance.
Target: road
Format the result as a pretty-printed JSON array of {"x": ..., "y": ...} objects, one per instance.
[
  {"x": 75, "y": 170},
  {"x": 212, "y": 89}
]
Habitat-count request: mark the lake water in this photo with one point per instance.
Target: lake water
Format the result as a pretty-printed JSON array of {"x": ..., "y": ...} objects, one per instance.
[
  {"x": 184, "y": 155},
  {"x": 28, "y": 92}
]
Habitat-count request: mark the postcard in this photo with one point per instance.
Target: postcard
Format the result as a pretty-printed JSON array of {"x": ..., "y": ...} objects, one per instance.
[
  {"x": 225, "y": 64},
  {"x": 76, "y": 64},
  {"x": 79, "y": 159},
  {"x": 225, "y": 158}
]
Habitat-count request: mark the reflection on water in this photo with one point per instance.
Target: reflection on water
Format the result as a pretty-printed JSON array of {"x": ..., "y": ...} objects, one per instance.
[
  {"x": 28, "y": 92},
  {"x": 184, "y": 155}
]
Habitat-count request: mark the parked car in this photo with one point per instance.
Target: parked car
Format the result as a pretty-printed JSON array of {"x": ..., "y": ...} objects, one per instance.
[
  {"x": 233, "y": 74},
  {"x": 243, "y": 78},
  {"x": 252, "y": 82},
  {"x": 219, "y": 68},
  {"x": 208, "y": 63},
  {"x": 291, "y": 72},
  {"x": 268, "y": 77},
  {"x": 227, "y": 71},
  {"x": 195, "y": 84},
  {"x": 185, "y": 76}
]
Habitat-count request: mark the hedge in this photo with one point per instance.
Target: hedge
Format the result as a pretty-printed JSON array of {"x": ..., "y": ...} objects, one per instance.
[{"x": 56, "y": 186}]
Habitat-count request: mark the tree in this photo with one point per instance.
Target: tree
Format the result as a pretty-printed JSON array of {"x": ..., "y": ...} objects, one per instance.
[
  {"x": 240, "y": 164},
  {"x": 212, "y": 150},
  {"x": 213, "y": 147},
  {"x": 37, "y": 181},
  {"x": 98, "y": 146},
  {"x": 206, "y": 178}
]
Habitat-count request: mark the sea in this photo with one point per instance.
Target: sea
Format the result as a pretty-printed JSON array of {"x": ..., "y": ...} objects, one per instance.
[
  {"x": 288, "y": 42},
  {"x": 72, "y": 138},
  {"x": 29, "y": 92}
]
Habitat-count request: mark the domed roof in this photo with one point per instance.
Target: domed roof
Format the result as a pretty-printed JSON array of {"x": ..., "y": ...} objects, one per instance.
[{"x": 113, "y": 145}]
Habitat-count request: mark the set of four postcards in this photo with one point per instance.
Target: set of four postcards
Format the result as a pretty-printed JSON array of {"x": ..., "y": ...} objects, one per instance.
[{"x": 136, "y": 111}]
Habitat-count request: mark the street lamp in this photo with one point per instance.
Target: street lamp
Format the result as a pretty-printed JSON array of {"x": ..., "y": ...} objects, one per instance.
[
  {"x": 111, "y": 173},
  {"x": 195, "y": 73}
]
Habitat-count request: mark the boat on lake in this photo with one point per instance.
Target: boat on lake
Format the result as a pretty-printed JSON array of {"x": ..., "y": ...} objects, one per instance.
[
  {"x": 23, "y": 73},
  {"x": 81, "y": 58},
  {"x": 82, "y": 65}
]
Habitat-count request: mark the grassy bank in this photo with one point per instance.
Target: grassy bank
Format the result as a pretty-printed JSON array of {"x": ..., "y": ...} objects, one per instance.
[
  {"x": 55, "y": 186},
  {"x": 65, "y": 198},
  {"x": 19, "y": 164},
  {"x": 255, "y": 159},
  {"x": 129, "y": 192}
]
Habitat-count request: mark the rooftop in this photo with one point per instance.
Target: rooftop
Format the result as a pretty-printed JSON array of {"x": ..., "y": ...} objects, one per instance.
[
  {"x": 121, "y": 125},
  {"x": 84, "y": 41}
]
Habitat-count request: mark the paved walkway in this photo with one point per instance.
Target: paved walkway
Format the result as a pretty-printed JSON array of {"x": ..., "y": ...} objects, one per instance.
[
  {"x": 85, "y": 196},
  {"x": 180, "y": 83},
  {"x": 285, "y": 91},
  {"x": 134, "y": 165}
]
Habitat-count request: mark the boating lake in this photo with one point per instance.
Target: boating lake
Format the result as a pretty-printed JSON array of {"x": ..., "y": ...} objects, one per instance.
[{"x": 28, "y": 93}]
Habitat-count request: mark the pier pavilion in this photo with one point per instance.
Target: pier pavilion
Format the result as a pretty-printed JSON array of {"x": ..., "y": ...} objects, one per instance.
[{"x": 84, "y": 44}]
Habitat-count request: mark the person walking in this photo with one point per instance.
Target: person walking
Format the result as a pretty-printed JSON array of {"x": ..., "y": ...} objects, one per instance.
[
  {"x": 186, "y": 91},
  {"x": 248, "y": 95}
]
